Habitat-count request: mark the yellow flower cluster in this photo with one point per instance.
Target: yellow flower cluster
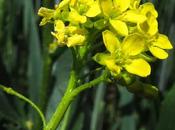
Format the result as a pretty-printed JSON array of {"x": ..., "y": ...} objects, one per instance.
[
  {"x": 129, "y": 30},
  {"x": 73, "y": 12},
  {"x": 132, "y": 31}
]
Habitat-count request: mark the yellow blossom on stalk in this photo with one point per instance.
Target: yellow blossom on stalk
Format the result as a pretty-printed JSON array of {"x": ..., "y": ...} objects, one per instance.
[
  {"x": 119, "y": 14},
  {"x": 158, "y": 45},
  {"x": 59, "y": 33},
  {"x": 74, "y": 12},
  {"x": 155, "y": 42},
  {"x": 51, "y": 14},
  {"x": 75, "y": 17},
  {"x": 126, "y": 18},
  {"x": 68, "y": 35},
  {"x": 123, "y": 55},
  {"x": 81, "y": 9},
  {"x": 47, "y": 15}
]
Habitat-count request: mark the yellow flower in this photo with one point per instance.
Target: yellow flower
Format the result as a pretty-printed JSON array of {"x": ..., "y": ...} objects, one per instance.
[
  {"x": 148, "y": 9},
  {"x": 121, "y": 5},
  {"x": 67, "y": 35},
  {"x": 75, "y": 17},
  {"x": 59, "y": 33},
  {"x": 123, "y": 55},
  {"x": 150, "y": 26},
  {"x": 81, "y": 9},
  {"x": 119, "y": 14},
  {"x": 94, "y": 9},
  {"x": 63, "y": 3},
  {"x": 47, "y": 15},
  {"x": 156, "y": 43},
  {"x": 75, "y": 39}
]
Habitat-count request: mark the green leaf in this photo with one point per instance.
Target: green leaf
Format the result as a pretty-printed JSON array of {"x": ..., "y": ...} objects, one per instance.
[
  {"x": 34, "y": 70},
  {"x": 126, "y": 97},
  {"x": 128, "y": 122},
  {"x": 6, "y": 109},
  {"x": 79, "y": 122},
  {"x": 167, "y": 111},
  {"x": 98, "y": 110},
  {"x": 1, "y": 17},
  {"x": 100, "y": 24},
  {"x": 61, "y": 72}
]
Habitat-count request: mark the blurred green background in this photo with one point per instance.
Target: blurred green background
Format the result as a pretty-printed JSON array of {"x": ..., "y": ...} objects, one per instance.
[{"x": 27, "y": 67}]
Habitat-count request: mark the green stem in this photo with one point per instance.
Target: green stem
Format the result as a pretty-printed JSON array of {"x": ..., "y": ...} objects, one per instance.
[
  {"x": 65, "y": 121},
  {"x": 72, "y": 81},
  {"x": 67, "y": 99},
  {"x": 90, "y": 84},
  {"x": 63, "y": 105},
  {"x": 13, "y": 92}
]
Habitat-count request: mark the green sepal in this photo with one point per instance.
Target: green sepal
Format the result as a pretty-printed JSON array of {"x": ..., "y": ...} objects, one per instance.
[
  {"x": 100, "y": 24},
  {"x": 88, "y": 24},
  {"x": 147, "y": 90},
  {"x": 126, "y": 79},
  {"x": 147, "y": 57},
  {"x": 64, "y": 16}
]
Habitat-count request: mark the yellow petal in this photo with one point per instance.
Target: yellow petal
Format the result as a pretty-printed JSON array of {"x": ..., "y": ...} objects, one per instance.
[
  {"x": 153, "y": 26},
  {"x": 59, "y": 36},
  {"x": 163, "y": 42},
  {"x": 76, "y": 39},
  {"x": 74, "y": 16},
  {"x": 150, "y": 26},
  {"x": 133, "y": 44},
  {"x": 121, "y": 5},
  {"x": 120, "y": 27},
  {"x": 59, "y": 26},
  {"x": 133, "y": 16},
  {"x": 87, "y": 2},
  {"x": 139, "y": 67},
  {"x": 94, "y": 10},
  {"x": 63, "y": 3},
  {"x": 115, "y": 69},
  {"x": 72, "y": 2},
  {"x": 46, "y": 13},
  {"x": 108, "y": 61},
  {"x": 110, "y": 40},
  {"x": 102, "y": 57},
  {"x": 148, "y": 9},
  {"x": 71, "y": 29},
  {"x": 135, "y": 4},
  {"x": 106, "y": 7},
  {"x": 158, "y": 52}
]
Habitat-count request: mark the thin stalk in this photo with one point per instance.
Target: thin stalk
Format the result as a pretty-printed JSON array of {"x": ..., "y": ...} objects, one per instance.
[
  {"x": 20, "y": 96},
  {"x": 90, "y": 84},
  {"x": 67, "y": 99},
  {"x": 63, "y": 105},
  {"x": 72, "y": 81}
]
